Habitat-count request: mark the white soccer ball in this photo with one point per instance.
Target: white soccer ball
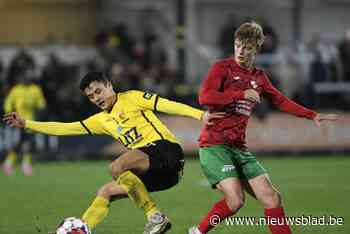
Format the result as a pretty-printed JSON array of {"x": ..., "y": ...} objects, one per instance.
[{"x": 73, "y": 225}]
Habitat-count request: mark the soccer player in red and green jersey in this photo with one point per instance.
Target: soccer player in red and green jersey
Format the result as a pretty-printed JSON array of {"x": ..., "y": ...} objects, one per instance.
[{"x": 234, "y": 86}]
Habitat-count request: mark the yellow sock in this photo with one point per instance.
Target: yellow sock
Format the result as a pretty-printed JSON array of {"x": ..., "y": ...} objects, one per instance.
[
  {"x": 27, "y": 158},
  {"x": 96, "y": 212},
  {"x": 11, "y": 158},
  {"x": 137, "y": 192}
]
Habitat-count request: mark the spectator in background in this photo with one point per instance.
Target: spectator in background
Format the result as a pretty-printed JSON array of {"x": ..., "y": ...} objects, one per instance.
[
  {"x": 27, "y": 99},
  {"x": 324, "y": 67},
  {"x": 120, "y": 45},
  {"x": 154, "y": 62},
  {"x": 51, "y": 81},
  {"x": 225, "y": 42},
  {"x": 271, "y": 42},
  {"x": 116, "y": 45},
  {"x": 59, "y": 81},
  {"x": 318, "y": 69},
  {"x": 344, "y": 51},
  {"x": 143, "y": 61},
  {"x": 126, "y": 43},
  {"x": 22, "y": 60},
  {"x": 266, "y": 59},
  {"x": 154, "y": 53}
]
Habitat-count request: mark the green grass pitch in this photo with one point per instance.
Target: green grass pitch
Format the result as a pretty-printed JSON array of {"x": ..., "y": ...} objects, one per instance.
[{"x": 310, "y": 186}]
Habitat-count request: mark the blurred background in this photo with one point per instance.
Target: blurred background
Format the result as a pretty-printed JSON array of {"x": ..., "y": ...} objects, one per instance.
[{"x": 166, "y": 47}]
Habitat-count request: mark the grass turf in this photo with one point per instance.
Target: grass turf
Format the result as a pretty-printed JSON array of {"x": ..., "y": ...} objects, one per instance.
[{"x": 314, "y": 186}]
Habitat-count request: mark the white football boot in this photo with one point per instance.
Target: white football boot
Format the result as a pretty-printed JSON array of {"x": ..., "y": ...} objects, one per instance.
[{"x": 158, "y": 223}]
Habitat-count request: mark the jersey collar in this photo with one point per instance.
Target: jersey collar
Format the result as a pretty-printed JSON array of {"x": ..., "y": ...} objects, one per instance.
[{"x": 115, "y": 103}]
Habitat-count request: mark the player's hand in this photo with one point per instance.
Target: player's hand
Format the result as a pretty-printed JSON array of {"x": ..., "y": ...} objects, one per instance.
[
  {"x": 325, "y": 117},
  {"x": 207, "y": 117},
  {"x": 252, "y": 95},
  {"x": 14, "y": 120}
]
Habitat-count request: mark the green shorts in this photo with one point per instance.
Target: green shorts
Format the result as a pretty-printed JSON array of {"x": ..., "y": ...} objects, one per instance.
[{"x": 220, "y": 162}]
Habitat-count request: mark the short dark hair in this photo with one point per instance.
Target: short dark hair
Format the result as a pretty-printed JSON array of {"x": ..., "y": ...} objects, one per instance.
[{"x": 91, "y": 77}]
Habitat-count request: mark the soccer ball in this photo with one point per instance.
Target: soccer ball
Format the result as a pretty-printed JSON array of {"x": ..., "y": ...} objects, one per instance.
[{"x": 73, "y": 225}]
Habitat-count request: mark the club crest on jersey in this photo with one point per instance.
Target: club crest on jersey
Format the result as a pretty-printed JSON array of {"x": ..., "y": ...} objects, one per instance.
[
  {"x": 253, "y": 84},
  {"x": 121, "y": 115}
]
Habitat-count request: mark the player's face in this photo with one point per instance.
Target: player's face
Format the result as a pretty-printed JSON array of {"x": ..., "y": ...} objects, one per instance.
[
  {"x": 245, "y": 53},
  {"x": 101, "y": 94}
]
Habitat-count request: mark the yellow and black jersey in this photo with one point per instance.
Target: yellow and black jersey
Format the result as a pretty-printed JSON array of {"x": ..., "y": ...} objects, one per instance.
[
  {"x": 131, "y": 120},
  {"x": 25, "y": 99}
]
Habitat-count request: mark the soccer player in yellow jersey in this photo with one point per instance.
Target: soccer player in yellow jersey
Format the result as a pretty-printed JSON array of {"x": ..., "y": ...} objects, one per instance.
[
  {"x": 26, "y": 98},
  {"x": 155, "y": 159}
]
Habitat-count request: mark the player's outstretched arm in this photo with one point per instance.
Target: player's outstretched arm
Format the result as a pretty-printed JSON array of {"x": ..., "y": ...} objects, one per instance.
[
  {"x": 156, "y": 103},
  {"x": 287, "y": 105},
  {"x": 325, "y": 117},
  {"x": 171, "y": 107},
  {"x": 50, "y": 128}
]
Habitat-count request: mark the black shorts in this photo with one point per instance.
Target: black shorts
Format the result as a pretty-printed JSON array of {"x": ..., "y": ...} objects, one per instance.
[
  {"x": 25, "y": 140},
  {"x": 27, "y": 137},
  {"x": 166, "y": 165}
]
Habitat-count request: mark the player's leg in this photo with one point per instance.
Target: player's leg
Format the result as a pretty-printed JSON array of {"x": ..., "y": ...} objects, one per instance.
[
  {"x": 133, "y": 160},
  {"x": 165, "y": 171},
  {"x": 9, "y": 163},
  {"x": 247, "y": 188},
  {"x": 125, "y": 170},
  {"x": 268, "y": 195},
  {"x": 265, "y": 192},
  {"x": 262, "y": 188},
  {"x": 27, "y": 145},
  {"x": 11, "y": 157},
  {"x": 98, "y": 209},
  {"x": 218, "y": 166}
]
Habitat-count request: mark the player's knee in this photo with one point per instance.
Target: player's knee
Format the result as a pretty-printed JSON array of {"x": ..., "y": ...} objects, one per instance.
[
  {"x": 25, "y": 147},
  {"x": 105, "y": 191},
  {"x": 234, "y": 203},
  {"x": 116, "y": 168}
]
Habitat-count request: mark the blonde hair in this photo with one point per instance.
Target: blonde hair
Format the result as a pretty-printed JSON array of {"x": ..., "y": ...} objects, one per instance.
[{"x": 250, "y": 32}]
